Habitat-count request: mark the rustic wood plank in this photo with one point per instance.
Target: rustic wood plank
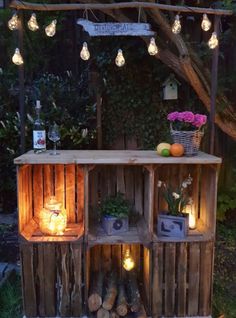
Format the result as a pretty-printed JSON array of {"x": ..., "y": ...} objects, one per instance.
[
  {"x": 116, "y": 259},
  {"x": 106, "y": 257},
  {"x": 193, "y": 278},
  {"x": 157, "y": 280},
  {"x": 37, "y": 190},
  {"x": 40, "y": 277},
  {"x": 65, "y": 304},
  {"x": 28, "y": 279},
  {"x": 181, "y": 279},
  {"x": 205, "y": 278},
  {"x": 48, "y": 182},
  {"x": 113, "y": 157},
  {"x": 196, "y": 171},
  {"x": 82, "y": 196},
  {"x": 120, "y": 179},
  {"x": 49, "y": 279},
  {"x": 21, "y": 197},
  {"x": 30, "y": 194},
  {"x": 60, "y": 183},
  {"x": 138, "y": 188},
  {"x": 147, "y": 275},
  {"x": 170, "y": 254},
  {"x": 76, "y": 295},
  {"x": 129, "y": 184},
  {"x": 70, "y": 193}
]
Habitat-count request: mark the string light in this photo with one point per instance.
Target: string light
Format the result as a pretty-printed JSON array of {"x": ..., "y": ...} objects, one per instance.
[
  {"x": 13, "y": 23},
  {"x": 17, "y": 58},
  {"x": 176, "y": 27},
  {"x": 32, "y": 23},
  {"x": 128, "y": 261},
  {"x": 84, "y": 53},
  {"x": 120, "y": 60},
  {"x": 206, "y": 23},
  {"x": 152, "y": 47},
  {"x": 213, "y": 42},
  {"x": 50, "y": 30}
]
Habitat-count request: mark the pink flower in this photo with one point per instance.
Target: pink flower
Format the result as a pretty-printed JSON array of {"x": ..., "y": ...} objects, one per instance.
[
  {"x": 173, "y": 116},
  {"x": 188, "y": 117},
  {"x": 199, "y": 120}
]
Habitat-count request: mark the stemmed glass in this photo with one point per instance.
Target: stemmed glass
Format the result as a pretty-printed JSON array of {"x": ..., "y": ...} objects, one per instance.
[{"x": 54, "y": 136}]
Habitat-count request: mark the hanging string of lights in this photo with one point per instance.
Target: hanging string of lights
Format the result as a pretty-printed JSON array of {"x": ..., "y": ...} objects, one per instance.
[{"x": 50, "y": 30}]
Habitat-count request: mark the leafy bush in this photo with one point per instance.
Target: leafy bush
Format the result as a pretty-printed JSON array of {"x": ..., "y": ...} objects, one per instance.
[{"x": 115, "y": 206}]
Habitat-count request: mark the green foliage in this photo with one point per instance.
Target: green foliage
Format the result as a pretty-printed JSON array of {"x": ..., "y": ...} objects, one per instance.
[
  {"x": 226, "y": 201},
  {"x": 10, "y": 298},
  {"x": 115, "y": 206}
]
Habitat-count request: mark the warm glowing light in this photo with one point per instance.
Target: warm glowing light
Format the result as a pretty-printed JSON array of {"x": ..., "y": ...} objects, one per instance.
[
  {"x": 213, "y": 42},
  {"x": 17, "y": 58},
  {"x": 128, "y": 261},
  {"x": 206, "y": 23},
  {"x": 13, "y": 23},
  {"x": 32, "y": 23},
  {"x": 176, "y": 27},
  {"x": 152, "y": 47},
  {"x": 53, "y": 219},
  {"x": 50, "y": 30},
  {"x": 192, "y": 218},
  {"x": 120, "y": 60},
  {"x": 84, "y": 53}
]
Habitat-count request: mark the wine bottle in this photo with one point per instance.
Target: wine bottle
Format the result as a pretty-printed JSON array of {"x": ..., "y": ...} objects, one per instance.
[{"x": 39, "y": 133}]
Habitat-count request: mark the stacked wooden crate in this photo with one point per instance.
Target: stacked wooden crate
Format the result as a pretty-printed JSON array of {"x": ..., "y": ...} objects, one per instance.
[{"x": 175, "y": 274}]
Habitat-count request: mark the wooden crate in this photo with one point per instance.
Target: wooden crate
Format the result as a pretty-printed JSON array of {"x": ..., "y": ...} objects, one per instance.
[
  {"x": 203, "y": 192},
  {"x": 182, "y": 279},
  {"x": 52, "y": 279},
  {"x": 36, "y": 183},
  {"x": 137, "y": 185},
  {"x": 109, "y": 257}
]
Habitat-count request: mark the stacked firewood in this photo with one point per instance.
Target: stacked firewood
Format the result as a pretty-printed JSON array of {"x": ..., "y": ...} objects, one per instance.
[{"x": 109, "y": 298}]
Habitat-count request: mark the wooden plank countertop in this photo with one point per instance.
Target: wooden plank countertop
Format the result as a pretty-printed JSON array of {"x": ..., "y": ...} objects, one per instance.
[{"x": 111, "y": 157}]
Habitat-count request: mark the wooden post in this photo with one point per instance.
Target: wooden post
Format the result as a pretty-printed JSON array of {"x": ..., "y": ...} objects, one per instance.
[{"x": 214, "y": 72}]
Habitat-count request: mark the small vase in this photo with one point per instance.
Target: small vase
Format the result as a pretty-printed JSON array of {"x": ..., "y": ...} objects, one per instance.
[
  {"x": 113, "y": 225},
  {"x": 172, "y": 226}
]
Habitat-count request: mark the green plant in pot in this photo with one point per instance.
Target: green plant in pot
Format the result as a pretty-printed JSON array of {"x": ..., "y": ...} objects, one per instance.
[
  {"x": 115, "y": 214},
  {"x": 175, "y": 221}
]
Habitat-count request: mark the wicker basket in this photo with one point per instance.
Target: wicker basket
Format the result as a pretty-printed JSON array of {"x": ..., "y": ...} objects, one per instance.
[{"x": 189, "y": 139}]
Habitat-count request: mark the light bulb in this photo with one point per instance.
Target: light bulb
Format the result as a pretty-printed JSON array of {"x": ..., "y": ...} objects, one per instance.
[
  {"x": 120, "y": 60},
  {"x": 84, "y": 53},
  {"x": 13, "y": 22},
  {"x": 213, "y": 42},
  {"x": 176, "y": 27},
  {"x": 50, "y": 30},
  {"x": 32, "y": 23},
  {"x": 206, "y": 23},
  {"x": 152, "y": 47},
  {"x": 128, "y": 261},
  {"x": 17, "y": 58},
  {"x": 192, "y": 218}
]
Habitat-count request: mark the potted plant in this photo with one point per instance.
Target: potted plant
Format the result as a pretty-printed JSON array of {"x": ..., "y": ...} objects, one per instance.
[
  {"x": 115, "y": 211},
  {"x": 186, "y": 129},
  {"x": 174, "y": 222}
]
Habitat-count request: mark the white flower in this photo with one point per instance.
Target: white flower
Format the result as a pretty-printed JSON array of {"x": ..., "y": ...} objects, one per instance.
[
  {"x": 159, "y": 183},
  {"x": 84, "y": 132},
  {"x": 190, "y": 201},
  {"x": 184, "y": 184},
  {"x": 175, "y": 195}
]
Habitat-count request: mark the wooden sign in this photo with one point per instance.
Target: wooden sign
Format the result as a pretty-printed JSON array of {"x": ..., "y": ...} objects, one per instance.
[{"x": 116, "y": 29}]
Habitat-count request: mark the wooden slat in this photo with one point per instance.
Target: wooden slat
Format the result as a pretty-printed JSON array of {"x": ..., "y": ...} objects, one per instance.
[
  {"x": 41, "y": 277},
  {"x": 117, "y": 259},
  {"x": 120, "y": 179},
  {"x": 196, "y": 170},
  {"x": 157, "y": 280},
  {"x": 82, "y": 191},
  {"x": 28, "y": 279},
  {"x": 60, "y": 183},
  {"x": 146, "y": 275},
  {"x": 70, "y": 193},
  {"x": 138, "y": 188},
  {"x": 170, "y": 250},
  {"x": 129, "y": 184},
  {"x": 49, "y": 279},
  {"x": 181, "y": 279},
  {"x": 106, "y": 257},
  {"x": 193, "y": 278},
  {"x": 65, "y": 305},
  {"x": 30, "y": 194},
  {"x": 21, "y": 202},
  {"x": 205, "y": 278},
  {"x": 37, "y": 190},
  {"x": 76, "y": 295},
  {"x": 48, "y": 184}
]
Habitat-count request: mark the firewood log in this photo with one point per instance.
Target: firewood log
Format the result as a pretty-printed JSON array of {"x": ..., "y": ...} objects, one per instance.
[
  {"x": 141, "y": 312},
  {"x": 133, "y": 292},
  {"x": 103, "y": 313},
  {"x": 121, "y": 303},
  {"x": 113, "y": 314},
  {"x": 111, "y": 292},
  {"x": 95, "y": 294}
]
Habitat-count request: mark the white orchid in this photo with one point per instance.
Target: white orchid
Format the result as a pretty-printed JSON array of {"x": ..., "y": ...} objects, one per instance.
[
  {"x": 175, "y": 195},
  {"x": 159, "y": 183}
]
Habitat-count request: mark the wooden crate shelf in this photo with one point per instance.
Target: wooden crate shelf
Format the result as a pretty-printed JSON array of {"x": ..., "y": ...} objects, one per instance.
[{"x": 175, "y": 274}]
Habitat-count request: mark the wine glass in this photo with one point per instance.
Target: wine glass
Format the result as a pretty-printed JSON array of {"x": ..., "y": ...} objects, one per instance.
[{"x": 54, "y": 136}]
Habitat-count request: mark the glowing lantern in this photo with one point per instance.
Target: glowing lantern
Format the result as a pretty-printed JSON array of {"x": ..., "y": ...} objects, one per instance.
[
  {"x": 53, "y": 218},
  {"x": 192, "y": 219},
  {"x": 128, "y": 261}
]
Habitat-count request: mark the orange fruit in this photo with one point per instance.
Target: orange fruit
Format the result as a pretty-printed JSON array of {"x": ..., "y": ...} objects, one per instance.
[{"x": 176, "y": 150}]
